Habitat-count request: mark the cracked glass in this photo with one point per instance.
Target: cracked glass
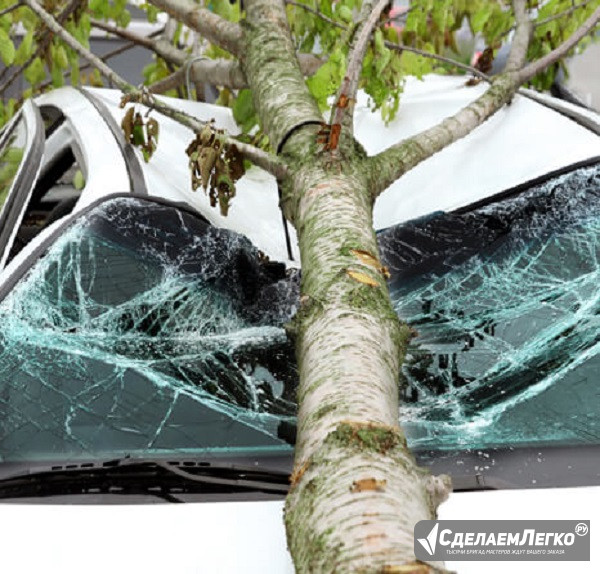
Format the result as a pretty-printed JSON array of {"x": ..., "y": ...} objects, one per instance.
[
  {"x": 143, "y": 330},
  {"x": 505, "y": 301}
]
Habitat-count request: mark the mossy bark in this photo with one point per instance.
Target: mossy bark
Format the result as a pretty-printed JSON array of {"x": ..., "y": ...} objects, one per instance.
[{"x": 356, "y": 491}]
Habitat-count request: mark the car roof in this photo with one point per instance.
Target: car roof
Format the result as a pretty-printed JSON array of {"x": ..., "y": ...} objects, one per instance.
[{"x": 523, "y": 141}]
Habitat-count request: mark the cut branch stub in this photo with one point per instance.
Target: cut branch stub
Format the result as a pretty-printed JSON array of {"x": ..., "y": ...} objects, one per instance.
[{"x": 215, "y": 166}]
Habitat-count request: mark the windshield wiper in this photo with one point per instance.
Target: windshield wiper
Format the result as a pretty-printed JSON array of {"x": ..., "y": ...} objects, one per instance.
[{"x": 165, "y": 479}]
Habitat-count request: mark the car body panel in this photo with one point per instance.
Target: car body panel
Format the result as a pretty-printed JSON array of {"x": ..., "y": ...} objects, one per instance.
[
  {"x": 496, "y": 156},
  {"x": 21, "y": 188},
  {"x": 241, "y": 537},
  {"x": 249, "y": 537},
  {"x": 105, "y": 167}
]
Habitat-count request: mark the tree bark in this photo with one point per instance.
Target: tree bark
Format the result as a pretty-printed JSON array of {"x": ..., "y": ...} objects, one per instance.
[{"x": 356, "y": 490}]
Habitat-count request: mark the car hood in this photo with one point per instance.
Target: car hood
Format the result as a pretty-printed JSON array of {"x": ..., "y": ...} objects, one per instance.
[{"x": 241, "y": 537}]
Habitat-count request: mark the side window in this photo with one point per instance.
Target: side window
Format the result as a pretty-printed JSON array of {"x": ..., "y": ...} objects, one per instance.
[{"x": 59, "y": 185}]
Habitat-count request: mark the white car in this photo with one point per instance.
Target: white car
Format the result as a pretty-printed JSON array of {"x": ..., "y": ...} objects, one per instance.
[{"x": 144, "y": 360}]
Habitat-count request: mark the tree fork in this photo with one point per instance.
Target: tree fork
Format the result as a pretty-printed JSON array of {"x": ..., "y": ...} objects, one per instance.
[{"x": 356, "y": 490}]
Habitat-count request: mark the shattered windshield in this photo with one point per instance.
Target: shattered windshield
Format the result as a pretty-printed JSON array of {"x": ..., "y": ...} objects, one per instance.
[
  {"x": 506, "y": 303},
  {"x": 143, "y": 330}
]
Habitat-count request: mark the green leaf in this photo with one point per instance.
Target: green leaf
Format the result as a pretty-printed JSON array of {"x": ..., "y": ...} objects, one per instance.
[
  {"x": 345, "y": 14},
  {"x": 243, "y": 111},
  {"x": 152, "y": 12},
  {"x": 328, "y": 78},
  {"x": 57, "y": 76},
  {"x": 60, "y": 57},
  {"x": 99, "y": 7},
  {"x": 379, "y": 43},
  {"x": 7, "y": 48},
  {"x": 75, "y": 76},
  {"x": 479, "y": 19},
  {"x": 35, "y": 73},
  {"x": 78, "y": 180},
  {"x": 139, "y": 138},
  {"x": 25, "y": 49}
]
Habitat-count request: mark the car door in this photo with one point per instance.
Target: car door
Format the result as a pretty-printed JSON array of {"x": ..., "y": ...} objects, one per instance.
[{"x": 21, "y": 149}]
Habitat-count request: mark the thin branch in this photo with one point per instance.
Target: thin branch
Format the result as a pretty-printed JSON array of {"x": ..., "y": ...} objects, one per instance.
[
  {"x": 343, "y": 113},
  {"x": 445, "y": 60},
  {"x": 215, "y": 29},
  {"x": 11, "y": 8},
  {"x": 317, "y": 13},
  {"x": 568, "y": 12},
  {"x": 561, "y": 51},
  {"x": 144, "y": 41},
  {"x": 57, "y": 29},
  {"x": 159, "y": 46},
  {"x": 258, "y": 157},
  {"x": 522, "y": 36},
  {"x": 255, "y": 155},
  {"x": 46, "y": 38},
  {"x": 387, "y": 166}
]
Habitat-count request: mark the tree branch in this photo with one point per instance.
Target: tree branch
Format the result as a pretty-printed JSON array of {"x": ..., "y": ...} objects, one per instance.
[
  {"x": 144, "y": 41},
  {"x": 281, "y": 97},
  {"x": 215, "y": 29},
  {"x": 568, "y": 12},
  {"x": 57, "y": 29},
  {"x": 226, "y": 73},
  {"x": 387, "y": 166},
  {"x": 11, "y": 8},
  {"x": 343, "y": 113},
  {"x": 42, "y": 45},
  {"x": 536, "y": 67},
  {"x": 522, "y": 36}
]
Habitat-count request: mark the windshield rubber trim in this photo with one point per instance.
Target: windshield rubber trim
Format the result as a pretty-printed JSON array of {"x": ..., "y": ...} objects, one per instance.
[
  {"x": 137, "y": 183},
  {"x": 40, "y": 250},
  {"x": 22, "y": 186},
  {"x": 525, "y": 186}
]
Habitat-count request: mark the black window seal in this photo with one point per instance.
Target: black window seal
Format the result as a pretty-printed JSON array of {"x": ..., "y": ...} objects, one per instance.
[
  {"x": 525, "y": 186},
  {"x": 40, "y": 250},
  {"x": 135, "y": 173},
  {"x": 23, "y": 184}
]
